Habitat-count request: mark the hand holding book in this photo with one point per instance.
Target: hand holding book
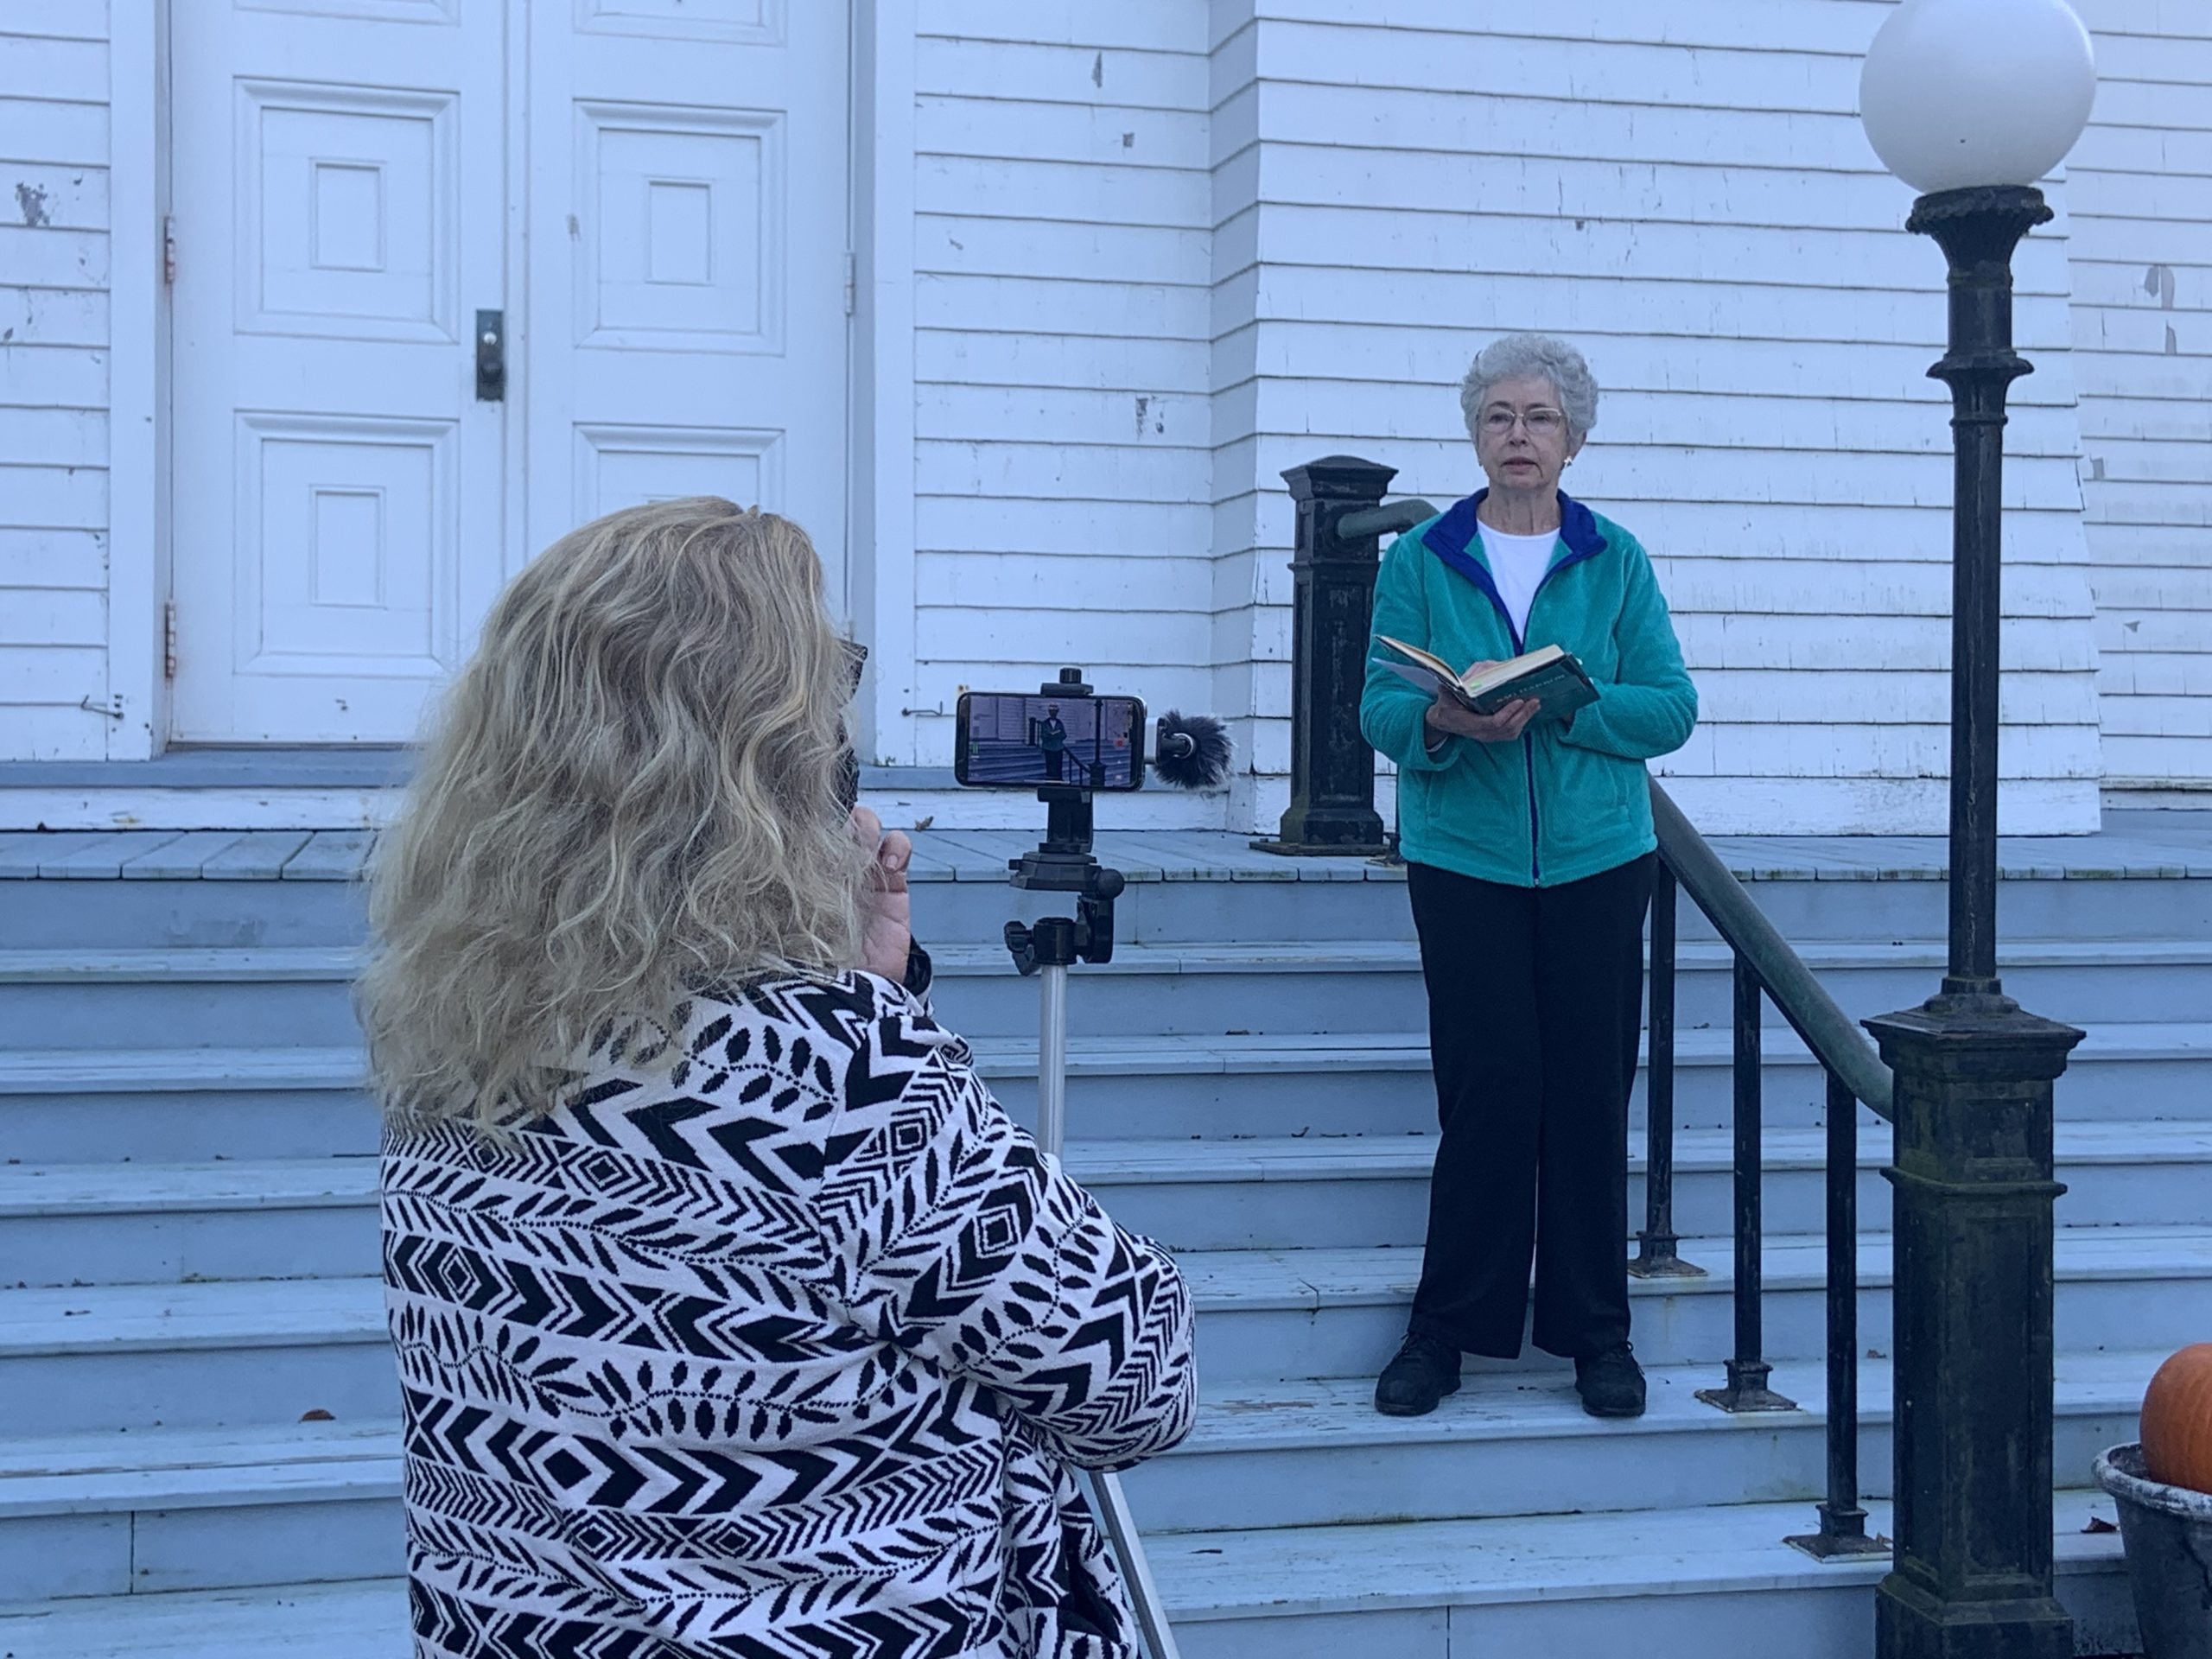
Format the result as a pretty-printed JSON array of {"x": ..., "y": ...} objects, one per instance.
[
  {"x": 1486, "y": 702},
  {"x": 1449, "y": 717}
]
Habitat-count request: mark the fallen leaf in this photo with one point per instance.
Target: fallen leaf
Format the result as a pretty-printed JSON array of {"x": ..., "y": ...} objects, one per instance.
[
  {"x": 2098, "y": 1524},
  {"x": 318, "y": 1416},
  {"x": 924, "y": 824}
]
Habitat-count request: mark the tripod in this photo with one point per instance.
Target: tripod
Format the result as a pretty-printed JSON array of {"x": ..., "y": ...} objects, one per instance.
[{"x": 1064, "y": 862}]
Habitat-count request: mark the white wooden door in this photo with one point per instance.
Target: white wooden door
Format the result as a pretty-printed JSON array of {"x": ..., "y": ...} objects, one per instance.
[
  {"x": 338, "y": 177},
  {"x": 688, "y": 213}
]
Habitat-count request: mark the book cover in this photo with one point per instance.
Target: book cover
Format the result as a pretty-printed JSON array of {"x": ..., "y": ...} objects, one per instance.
[{"x": 1553, "y": 677}]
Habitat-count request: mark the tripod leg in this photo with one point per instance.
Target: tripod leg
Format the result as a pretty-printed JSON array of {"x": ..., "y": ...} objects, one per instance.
[
  {"x": 1104, "y": 1490},
  {"x": 1112, "y": 1509},
  {"x": 1052, "y": 1058}
]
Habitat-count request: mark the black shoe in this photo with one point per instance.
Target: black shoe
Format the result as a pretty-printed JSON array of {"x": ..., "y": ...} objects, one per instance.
[
  {"x": 1610, "y": 1384},
  {"x": 1422, "y": 1374}
]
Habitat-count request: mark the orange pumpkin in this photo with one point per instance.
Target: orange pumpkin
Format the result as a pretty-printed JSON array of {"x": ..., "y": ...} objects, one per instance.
[{"x": 2178, "y": 1420}]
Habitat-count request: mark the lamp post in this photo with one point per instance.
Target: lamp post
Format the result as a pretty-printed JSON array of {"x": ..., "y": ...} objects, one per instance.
[{"x": 1970, "y": 102}]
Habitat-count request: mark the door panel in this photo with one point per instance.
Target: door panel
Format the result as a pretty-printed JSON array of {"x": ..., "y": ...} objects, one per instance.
[
  {"x": 688, "y": 214},
  {"x": 338, "y": 529},
  {"x": 343, "y": 200}
]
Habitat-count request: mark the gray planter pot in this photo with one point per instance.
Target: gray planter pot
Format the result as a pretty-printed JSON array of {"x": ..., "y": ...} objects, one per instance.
[{"x": 2168, "y": 1532}]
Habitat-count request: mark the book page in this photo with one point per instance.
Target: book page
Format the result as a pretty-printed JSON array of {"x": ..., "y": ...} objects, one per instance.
[
  {"x": 1436, "y": 666},
  {"x": 1526, "y": 663}
]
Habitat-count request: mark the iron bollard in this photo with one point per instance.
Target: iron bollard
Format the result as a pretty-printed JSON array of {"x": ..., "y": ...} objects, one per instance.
[{"x": 1340, "y": 523}]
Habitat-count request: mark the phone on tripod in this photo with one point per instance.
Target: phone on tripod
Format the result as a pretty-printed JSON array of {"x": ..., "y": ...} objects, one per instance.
[{"x": 1012, "y": 740}]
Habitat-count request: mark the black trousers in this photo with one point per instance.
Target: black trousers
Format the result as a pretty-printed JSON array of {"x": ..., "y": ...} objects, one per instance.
[{"x": 1535, "y": 1002}]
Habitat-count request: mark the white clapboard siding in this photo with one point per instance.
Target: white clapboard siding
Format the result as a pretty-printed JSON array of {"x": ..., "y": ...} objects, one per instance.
[
  {"x": 53, "y": 336},
  {"x": 1684, "y": 192},
  {"x": 2141, "y": 196},
  {"x": 1064, "y": 443}
]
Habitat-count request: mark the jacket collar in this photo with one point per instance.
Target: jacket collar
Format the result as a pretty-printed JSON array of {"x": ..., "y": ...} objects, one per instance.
[
  {"x": 1454, "y": 532},
  {"x": 1453, "y": 536}
]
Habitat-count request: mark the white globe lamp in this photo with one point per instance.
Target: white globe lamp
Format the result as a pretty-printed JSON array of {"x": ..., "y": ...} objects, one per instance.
[{"x": 1957, "y": 94}]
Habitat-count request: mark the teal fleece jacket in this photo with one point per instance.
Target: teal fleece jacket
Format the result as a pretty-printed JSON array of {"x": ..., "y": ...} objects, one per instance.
[{"x": 1568, "y": 800}]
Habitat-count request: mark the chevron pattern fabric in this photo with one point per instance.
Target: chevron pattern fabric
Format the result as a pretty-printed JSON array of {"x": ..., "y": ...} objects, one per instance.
[{"x": 778, "y": 1339}]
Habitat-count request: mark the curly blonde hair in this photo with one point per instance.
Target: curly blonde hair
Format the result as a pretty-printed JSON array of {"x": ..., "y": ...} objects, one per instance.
[{"x": 632, "y": 789}]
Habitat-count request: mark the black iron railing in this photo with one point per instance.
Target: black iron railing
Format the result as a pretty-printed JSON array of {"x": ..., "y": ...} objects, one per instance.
[{"x": 1764, "y": 967}]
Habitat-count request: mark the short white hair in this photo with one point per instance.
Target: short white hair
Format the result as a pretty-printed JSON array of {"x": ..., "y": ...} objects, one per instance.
[{"x": 1534, "y": 356}]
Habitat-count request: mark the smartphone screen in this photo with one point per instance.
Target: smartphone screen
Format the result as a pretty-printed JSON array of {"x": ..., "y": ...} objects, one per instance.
[{"x": 1006, "y": 739}]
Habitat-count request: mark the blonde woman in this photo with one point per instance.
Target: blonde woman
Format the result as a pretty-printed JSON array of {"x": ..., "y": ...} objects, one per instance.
[{"x": 734, "y": 1317}]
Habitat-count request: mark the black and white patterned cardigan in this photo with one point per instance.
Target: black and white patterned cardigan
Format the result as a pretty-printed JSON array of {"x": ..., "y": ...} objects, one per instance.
[{"x": 778, "y": 1338}]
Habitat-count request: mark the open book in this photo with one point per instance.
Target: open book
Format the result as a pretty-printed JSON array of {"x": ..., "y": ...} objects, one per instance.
[{"x": 1547, "y": 676}]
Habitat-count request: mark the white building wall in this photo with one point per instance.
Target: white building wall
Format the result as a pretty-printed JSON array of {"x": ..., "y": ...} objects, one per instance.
[
  {"x": 1165, "y": 250},
  {"x": 1062, "y": 463},
  {"x": 54, "y": 335},
  {"x": 1686, "y": 194},
  {"x": 2141, "y": 187}
]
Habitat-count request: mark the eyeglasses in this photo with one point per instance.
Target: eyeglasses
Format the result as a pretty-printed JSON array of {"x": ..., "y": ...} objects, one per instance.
[{"x": 1541, "y": 422}]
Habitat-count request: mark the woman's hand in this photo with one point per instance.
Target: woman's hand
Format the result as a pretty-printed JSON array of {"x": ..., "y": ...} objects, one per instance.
[
  {"x": 1506, "y": 726},
  {"x": 886, "y": 908}
]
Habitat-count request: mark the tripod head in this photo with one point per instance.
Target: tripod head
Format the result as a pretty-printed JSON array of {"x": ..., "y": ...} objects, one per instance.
[
  {"x": 1190, "y": 751},
  {"x": 1064, "y": 862}
]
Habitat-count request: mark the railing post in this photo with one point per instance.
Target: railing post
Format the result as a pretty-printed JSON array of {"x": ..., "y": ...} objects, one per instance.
[
  {"x": 1843, "y": 1522},
  {"x": 1974, "y": 1343},
  {"x": 1748, "y": 1371},
  {"x": 1656, "y": 1245},
  {"x": 1332, "y": 768}
]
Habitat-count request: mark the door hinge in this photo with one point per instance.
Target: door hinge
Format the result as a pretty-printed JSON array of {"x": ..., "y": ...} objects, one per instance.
[
  {"x": 168, "y": 639},
  {"x": 852, "y": 282},
  {"x": 168, "y": 248}
]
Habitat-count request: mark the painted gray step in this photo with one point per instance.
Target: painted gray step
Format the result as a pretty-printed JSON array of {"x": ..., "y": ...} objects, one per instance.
[
  {"x": 1379, "y": 1082},
  {"x": 1376, "y": 986},
  {"x": 196, "y": 1105},
  {"x": 183, "y": 1105},
  {"x": 354, "y": 1619},
  {"x": 163, "y": 1223},
  {"x": 301, "y": 995},
  {"x": 1843, "y": 904},
  {"x": 220, "y": 1509},
  {"x": 293, "y": 995},
  {"x": 267, "y": 1351},
  {"x": 1681, "y": 1584},
  {"x": 141, "y": 915},
  {"x": 108, "y": 1357},
  {"x": 1267, "y": 1315},
  {"x": 1373, "y": 1190},
  {"x": 163, "y": 1510},
  {"x": 167, "y": 1224},
  {"x": 1318, "y": 1453},
  {"x": 2133, "y": 881},
  {"x": 1667, "y": 1583}
]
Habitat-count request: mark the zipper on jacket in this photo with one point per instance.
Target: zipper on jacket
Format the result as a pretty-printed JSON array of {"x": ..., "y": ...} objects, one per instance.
[
  {"x": 1528, "y": 743},
  {"x": 1535, "y": 859},
  {"x": 1528, "y": 738}
]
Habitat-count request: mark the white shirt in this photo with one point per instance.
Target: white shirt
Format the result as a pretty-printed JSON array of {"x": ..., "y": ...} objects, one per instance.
[{"x": 1517, "y": 564}]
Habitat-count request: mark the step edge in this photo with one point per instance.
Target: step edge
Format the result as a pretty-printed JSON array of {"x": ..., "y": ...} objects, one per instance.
[
  {"x": 370, "y": 1463},
  {"x": 186, "y": 1070},
  {"x": 1781, "y": 1570}
]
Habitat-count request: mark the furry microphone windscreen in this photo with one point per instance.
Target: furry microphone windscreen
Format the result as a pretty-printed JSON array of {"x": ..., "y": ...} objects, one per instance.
[{"x": 1193, "y": 751}]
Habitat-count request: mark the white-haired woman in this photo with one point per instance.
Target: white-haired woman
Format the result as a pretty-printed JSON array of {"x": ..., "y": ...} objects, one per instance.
[
  {"x": 734, "y": 1317},
  {"x": 1529, "y": 851}
]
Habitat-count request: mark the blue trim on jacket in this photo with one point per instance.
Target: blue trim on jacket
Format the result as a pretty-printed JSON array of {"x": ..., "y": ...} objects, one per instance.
[{"x": 1451, "y": 535}]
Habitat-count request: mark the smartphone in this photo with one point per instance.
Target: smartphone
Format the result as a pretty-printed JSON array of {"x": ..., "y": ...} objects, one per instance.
[{"x": 1007, "y": 739}]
